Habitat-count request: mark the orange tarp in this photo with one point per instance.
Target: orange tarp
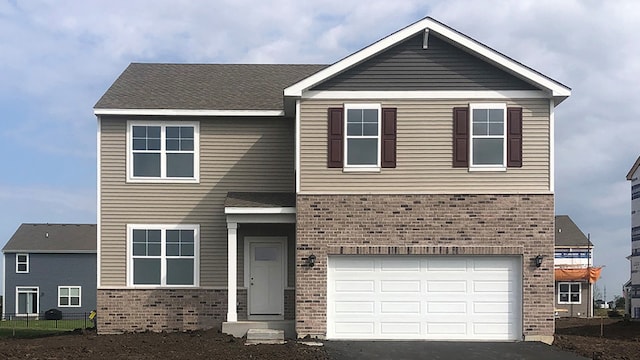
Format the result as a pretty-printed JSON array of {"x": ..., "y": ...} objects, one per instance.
[{"x": 591, "y": 274}]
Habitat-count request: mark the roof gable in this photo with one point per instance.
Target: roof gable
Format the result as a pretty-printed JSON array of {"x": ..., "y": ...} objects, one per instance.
[
  {"x": 567, "y": 233},
  {"x": 53, "y": 238},
  {"x": 633, "y": 169},
  {"x": 409, "y": 66},
  {"x": 483, "y": 52}
]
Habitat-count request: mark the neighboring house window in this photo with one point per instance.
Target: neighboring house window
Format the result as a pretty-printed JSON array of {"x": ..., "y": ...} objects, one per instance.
[
  {"x": 635, "y": 233},
  {"x": 635, "y": 192},
  {"x": 69, "y": 296},
  {"x": 361, "y": 136},
  {"x": 163, "y": 151},
  {"x": 22, "y": 263},
  {"x": 487, "y": 136},
  {"x": 27, "y": 301},
  {"x": 569, "y": 293},
  {"x": 164, "y": 255}
]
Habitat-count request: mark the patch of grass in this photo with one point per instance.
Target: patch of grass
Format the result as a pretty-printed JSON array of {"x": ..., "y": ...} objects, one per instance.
[{"x": 64, "y": 325}]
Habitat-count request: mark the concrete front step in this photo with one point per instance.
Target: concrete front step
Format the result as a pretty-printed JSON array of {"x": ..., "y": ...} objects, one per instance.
[
  {"x": 264, "y": 336},
  {"x": 239, "y": 328}
]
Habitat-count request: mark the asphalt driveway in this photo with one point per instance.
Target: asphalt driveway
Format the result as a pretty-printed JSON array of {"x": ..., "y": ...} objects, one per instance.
[{"x": 441, "y": 350}]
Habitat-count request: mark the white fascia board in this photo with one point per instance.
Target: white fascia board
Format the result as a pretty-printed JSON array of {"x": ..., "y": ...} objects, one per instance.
[
  {"x": 185, "y": 112},
  {"x": 259, "y": 210},
  {"x": 374, "y": 95},
  {"x": 556, "y": 89}
]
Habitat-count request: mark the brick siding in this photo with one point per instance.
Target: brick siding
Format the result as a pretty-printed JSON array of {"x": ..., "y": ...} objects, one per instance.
[{"x": 425, "y": 224}]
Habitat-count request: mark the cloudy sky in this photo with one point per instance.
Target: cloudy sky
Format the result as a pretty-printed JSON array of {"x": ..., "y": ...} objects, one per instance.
[{"x": 57, "y": 57}]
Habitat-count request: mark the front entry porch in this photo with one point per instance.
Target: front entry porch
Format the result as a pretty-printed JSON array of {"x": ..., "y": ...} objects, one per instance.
[{"x": 261, "y": 246}]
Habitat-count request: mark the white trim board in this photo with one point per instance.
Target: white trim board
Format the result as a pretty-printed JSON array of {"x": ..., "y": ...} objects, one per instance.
[
  {"x": 426, "y": 94},
  {"x": 259, "y": 210},
  {"x": 468, "y": 44},
  {"x": 188, "y": 112}
]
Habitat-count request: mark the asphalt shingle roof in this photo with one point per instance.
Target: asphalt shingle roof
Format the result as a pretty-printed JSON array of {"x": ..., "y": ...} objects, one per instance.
[
  {"x": 53, "y": 238},
  {"x": 568, "y": 233},
  {"x": 203, "y": 86},
  {"x": 260, "y": 199}
]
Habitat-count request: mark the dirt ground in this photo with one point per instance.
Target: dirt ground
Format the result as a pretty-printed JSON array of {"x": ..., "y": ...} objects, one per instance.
[{"x": 620, "y": 340}]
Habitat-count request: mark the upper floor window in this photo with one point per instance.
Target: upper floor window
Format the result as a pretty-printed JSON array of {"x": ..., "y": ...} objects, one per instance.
[
  {"x": 163, "y": 151},
  {"x": 22, "y": 263},
  {"x": 163, "y": 255},
  {"x": 569, "y": 293},
  {"x": 363, "y": 135},
  {"x": 488, "y": 141}
]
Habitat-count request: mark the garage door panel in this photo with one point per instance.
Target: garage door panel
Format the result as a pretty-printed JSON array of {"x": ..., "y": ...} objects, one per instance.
[{"x": 425, "y": 297}]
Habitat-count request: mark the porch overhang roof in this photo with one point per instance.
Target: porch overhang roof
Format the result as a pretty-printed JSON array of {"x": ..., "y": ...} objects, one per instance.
[{"x": 239, "y": 203}]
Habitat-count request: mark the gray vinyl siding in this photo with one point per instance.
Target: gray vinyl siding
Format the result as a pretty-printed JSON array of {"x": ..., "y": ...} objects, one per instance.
[
  {"x": 424, "y": 153},
  {"x": 407, "y": 66},
  {"x": 47, "y": 272},
  {"x": 236, "y": 154}
]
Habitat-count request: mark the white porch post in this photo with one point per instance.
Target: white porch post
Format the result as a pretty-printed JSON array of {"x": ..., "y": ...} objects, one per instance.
[{"x": 232, "y": 263}]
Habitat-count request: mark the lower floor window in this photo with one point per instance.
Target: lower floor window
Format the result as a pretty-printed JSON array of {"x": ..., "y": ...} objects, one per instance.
[
  {"x": 163, "y": 255},
  {"x": 69, "y": 296},
  {"x": 569, "y": 293},
  {"x": 27, "y": 300}
]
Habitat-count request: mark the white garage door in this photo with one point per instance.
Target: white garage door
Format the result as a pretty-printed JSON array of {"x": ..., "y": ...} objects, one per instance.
[{"x": 424, "y": 297}]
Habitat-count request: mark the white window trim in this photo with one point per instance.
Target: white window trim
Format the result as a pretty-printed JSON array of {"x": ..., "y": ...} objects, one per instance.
[
  {"x": 163, "y": 153},
  {"x": 163, "y": 269},
  {"x": 27, "y": 263},
  {"x": 37, "y": 292},
  {"x": 69, "y": 297},
  {"x": 348, "y": 167},
  {"x": 491, "y": 167},
  {"x": 570, "y": 292}
]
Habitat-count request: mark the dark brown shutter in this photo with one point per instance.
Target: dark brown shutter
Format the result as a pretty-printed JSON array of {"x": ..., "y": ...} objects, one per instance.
[
  {"x": 388, "y": 138},
  {"x": 461, "y": 137},
  {"x": 334, "y": 137},
  {"x": 514, "y": 137}
]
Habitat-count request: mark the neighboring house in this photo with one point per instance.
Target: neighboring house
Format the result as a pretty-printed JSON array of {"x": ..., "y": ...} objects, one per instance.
[
  {"x": 403, "y": 192},
  {"x": 50, "y": 266},
  {"x": 632, "y": 287},
  {"x": 574, "y": 270}
]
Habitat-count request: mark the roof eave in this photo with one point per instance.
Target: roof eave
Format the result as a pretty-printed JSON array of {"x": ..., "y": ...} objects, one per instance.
[
  {"x": 186, "y": 112},
  {"x": 559, "y": 91},
  {"x": 633, "y": 169}
]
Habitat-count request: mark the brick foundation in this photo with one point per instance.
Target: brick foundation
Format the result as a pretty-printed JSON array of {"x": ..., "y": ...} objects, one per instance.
[{"x": 425, "y": 224}]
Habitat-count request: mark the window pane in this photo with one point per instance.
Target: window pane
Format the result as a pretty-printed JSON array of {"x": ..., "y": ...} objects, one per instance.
[
  {"x": 22, "y": 258},
  {"x": 22, "y": 303},
  {"x": 64, "y": 301},
  {"x": 575, "y": 287},
  {"x": 186, "y": 236},
  {"x": 179, "y": 271},
  {"x": 173, "y": 236},
  {"x": 139, "y": 131},
  {"x": 139, "y": 144},
  {"x": 564, "y": 287},
  {"x": 154, "y": 236},
  {"x": 186, "y": 132},
  {"x": 495, "y": 128},
  {"x": 139, "y": 235},
  {"x": 575, "y": 298},
  {"x": 564, "y": 297},
  {"x": 75, "y": 301},
  {"x": 186, "y": 145},
  {"x": 362, "y": 151},
  {"x": 153, "y": 249},
  {"x": 74, "y": 292},
  {"x": 173, "y": 249},
  {"x": 180, "y": 165},
  {"x": 146, "y": 164},
  {"x": 479, "y": 128},
  {"x": 369, "y": 129},
  {"x": 354, "y": 129},
  {"x": 153, "y": 132},
  {"x": 173, "y": 144},
  {"x": 173, "y": 132},
  {"x": 370, "y": 115},
  {"x": 487, "y": 151},
  {"x": 146, "y": 271},
  {"x": 22, "y": 267},
  {"x": 153, "y": 144},
  {"x": 64, "y": 291},
  {"x": 139, "y": 249},
  {"x": 266, "y": 253},
  {"x": 187, "y": 250},
  {"x": 354, "y": 116},
  {"x": 480, "y": 115},
  {"x": 496, "y": 115}
]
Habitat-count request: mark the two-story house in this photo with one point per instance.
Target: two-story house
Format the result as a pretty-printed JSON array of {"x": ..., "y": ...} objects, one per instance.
[
  {"x": 574, "y": 270},
  {"x": 632, "y": 287},
  {"x": 50, "y": 266},
  {"x": 403, "y": 192}
]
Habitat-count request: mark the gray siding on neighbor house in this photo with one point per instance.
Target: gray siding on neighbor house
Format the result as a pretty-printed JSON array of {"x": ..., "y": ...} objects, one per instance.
[
  {"x": 47, "y": 272},
  {"x": 236, "y": 155},
  {"x": 407, "y": 66}
]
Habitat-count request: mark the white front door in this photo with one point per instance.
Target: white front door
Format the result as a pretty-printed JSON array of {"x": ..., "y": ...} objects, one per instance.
[{"x": 266, "y": 277}]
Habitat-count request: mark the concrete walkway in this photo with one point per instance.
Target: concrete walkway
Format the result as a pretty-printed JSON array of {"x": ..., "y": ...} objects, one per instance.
[{"x": 410, "y": 350}]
